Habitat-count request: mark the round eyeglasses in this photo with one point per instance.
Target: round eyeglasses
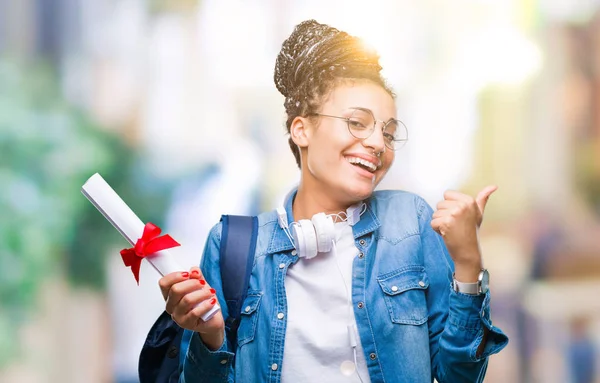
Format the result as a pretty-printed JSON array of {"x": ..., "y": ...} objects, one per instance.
[{"x": 362, "y": 123}]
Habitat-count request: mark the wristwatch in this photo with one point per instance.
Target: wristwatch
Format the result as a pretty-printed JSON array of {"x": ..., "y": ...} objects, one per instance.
[{"x": 480, "y": 287}]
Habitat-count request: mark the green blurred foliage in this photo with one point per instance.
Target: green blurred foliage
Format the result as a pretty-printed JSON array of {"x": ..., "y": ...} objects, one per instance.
[
  {"x": 165, "y": 6},
  {"x": 48, "y": 229},
  {"x": 587, "y": 173}
]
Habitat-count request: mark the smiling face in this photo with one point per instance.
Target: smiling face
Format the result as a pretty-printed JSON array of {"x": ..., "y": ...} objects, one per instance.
[{"x": 335, "y": 165}]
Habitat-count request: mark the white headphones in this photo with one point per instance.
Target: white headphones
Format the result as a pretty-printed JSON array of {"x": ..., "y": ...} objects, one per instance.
[{"x": 316, "y": 235}]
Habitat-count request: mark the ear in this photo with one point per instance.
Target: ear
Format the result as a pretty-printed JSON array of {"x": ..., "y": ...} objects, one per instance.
[{"x": 300, "y": 131}]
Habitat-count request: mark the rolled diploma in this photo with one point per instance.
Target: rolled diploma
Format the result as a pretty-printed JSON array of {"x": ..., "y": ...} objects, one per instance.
[{"x": 116, "y": 211}]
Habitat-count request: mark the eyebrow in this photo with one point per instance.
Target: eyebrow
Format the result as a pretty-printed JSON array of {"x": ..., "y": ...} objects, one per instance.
[{"x": 370, "y": 111}]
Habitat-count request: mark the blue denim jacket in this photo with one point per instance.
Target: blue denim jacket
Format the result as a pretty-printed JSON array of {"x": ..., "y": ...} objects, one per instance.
[{"x": 417, "y": 331}]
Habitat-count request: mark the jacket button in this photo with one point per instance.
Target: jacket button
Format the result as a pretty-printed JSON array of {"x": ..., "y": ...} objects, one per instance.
[
  {"x": 280, "y": 316},
  {"x": 223, "y": 361},
  {"x": 362, "y": 242},
  {"x": 361, "y": 255},
  {"x": 373, "y": 356},
  {"x": 172, "y": 352},
  {"x": 247, "y": 309},
  {"x": 394, "y": 288},
  {"x": 360, "y": 305},
  {"x": 421, "y": 283},
  {"x": 274, "y": 367},
  {"x": 281, "y": 265}
]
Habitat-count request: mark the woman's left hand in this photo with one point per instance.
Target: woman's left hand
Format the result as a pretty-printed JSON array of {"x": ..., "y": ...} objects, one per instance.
[{"x": 457, "y": 220}]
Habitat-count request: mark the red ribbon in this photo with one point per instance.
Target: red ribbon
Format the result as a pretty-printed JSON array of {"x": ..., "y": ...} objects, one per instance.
[{"x": 150, "y": 243}]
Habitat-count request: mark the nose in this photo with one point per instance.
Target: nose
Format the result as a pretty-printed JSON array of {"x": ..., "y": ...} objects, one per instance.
[{"x": 375, "y": 141}]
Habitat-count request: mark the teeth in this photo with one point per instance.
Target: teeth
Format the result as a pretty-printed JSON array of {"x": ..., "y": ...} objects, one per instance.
[{"x": 356, "y": 160}]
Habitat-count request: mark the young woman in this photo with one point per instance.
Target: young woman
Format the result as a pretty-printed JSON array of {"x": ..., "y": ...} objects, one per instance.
[{"x": 348, "y": 284}]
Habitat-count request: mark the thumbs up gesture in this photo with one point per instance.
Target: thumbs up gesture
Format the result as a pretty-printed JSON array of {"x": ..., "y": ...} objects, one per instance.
[{"x": 457, "y": 220}]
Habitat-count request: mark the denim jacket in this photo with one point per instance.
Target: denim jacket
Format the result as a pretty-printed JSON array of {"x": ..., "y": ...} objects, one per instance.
[{"x": 413, "y": 326}]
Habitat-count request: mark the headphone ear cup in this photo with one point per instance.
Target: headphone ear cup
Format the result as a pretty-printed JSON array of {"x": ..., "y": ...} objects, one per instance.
[
  {"x": 325, "y": 232},
  {"x": 306, "y": 237}
]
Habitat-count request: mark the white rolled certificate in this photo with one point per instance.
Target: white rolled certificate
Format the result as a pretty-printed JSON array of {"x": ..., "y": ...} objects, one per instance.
[{"x": 116, "y": 211}]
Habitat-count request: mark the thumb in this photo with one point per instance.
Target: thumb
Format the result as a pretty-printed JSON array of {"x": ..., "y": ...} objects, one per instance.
[{"x": 484, "y": 195}]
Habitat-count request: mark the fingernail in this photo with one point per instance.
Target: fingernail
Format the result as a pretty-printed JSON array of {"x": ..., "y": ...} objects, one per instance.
[
  {"x": 185, "y": 274},
  {"x": 212, "y": 291},
  {"x": 213, "y": 301},
  {"x": 195, "y": 272},
  {"x": 202, "y": 282}
]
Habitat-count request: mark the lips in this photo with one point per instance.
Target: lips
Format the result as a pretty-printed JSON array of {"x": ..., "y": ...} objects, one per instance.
[
  {"x": 366, "y": 164},
  {"x": 369, "y": 163}
]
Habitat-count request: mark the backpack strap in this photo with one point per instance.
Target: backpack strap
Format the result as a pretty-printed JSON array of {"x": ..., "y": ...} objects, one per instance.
[{"x": 238, "y": 245}]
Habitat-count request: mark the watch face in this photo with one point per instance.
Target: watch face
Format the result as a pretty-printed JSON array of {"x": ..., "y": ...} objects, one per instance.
[{"x": 485, "y": 281}]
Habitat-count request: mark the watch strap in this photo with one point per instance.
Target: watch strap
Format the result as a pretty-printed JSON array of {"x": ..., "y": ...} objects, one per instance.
[
  {"x": 467, "y": 288},
  {"x": 472, "y": 288}
]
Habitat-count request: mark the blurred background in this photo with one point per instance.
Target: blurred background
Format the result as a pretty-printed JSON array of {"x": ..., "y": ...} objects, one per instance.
[{"x": 173, "y": 103}]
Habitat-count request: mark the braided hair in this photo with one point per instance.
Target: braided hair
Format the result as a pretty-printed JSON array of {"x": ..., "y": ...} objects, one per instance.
[{"x": 313, "y": 60}]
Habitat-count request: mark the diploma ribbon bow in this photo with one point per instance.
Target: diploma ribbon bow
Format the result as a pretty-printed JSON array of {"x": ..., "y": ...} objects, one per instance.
[{"x": 150, "y": 243}]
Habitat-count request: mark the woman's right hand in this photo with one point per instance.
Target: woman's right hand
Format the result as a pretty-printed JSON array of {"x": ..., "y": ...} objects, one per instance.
[{"x": 188, "y": 297}]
